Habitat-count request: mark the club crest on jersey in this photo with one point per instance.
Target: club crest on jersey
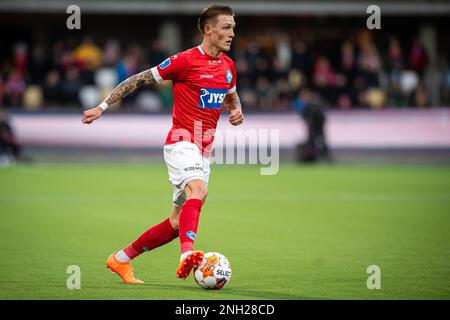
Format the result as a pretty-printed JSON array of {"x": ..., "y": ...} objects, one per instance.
[
  {"x": 211, "y": 98},
  {"x": 229, "y": 76},
  {"x": 165, "y": 63}
]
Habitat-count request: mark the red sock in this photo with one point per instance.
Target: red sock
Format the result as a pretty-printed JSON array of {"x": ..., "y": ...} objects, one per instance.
[
  {"x": 153, "y": 238},
  {"x": 188, "y": 223}
]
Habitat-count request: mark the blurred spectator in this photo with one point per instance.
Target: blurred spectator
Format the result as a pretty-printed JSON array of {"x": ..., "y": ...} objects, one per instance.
[
  {"x": 248, "y": 99},
  {"x": 14, "y": 88},
  {"x": 296, "y": 79},
  {"x": 21, "y": 58},
  {"x": 149, "y": 101},
  {"x": 348, "y": 59},
  {"x": 394, "y": 54},
  {"x": 111, "y": 53},
  {"x": 157, "y": 52},
  {"x": 348, "y": 70},
  {"x": 283, "y": 52},
  {"x": 374, "y": 98},
  {"x": 57, "y": 53},
  {"x": 420, "y": 97},
  {"x": 369, "y": 63},
  {"x": 106, "y": 78},
  {"x": 418, "y": 58},
  {"x": 9, "y": 148},
  {"x": 40, "y": 63},
  {"x": 409, "y": 80},
  {"x": 126, "y": 67},
  {"x": 264, "y": 93},
  {"x": 315, "y": 148},
  {"x": 89, "y": 96},
  {"x": 67, "y": 60},
  {"x": 71, "y": 86},
  {"x": 1, "y": 90},
  {"x": 301, "y": 59},
  {"x": 445, "y": 85},
  {"x": 88, "y": 55},
  {"x": 344, "y": 102},
  {"x": 369, "y": 67},
  {"x": 32, "y": 97},
  {"x": 324, "y": 75},
  {"x": 52, "y": 87}
]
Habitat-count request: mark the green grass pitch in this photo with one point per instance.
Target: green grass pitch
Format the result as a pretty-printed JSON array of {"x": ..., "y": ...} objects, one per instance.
[{"x": 305, "y": 233}]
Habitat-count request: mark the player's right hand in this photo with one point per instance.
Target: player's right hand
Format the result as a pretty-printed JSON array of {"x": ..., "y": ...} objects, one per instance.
[
  {"x": 236, "y": 117},
  {"x": 91, "y": 115}
]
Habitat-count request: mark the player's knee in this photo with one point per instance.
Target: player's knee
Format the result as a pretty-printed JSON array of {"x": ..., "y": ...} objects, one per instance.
[
  {"x": 201, "y": 192},
  {"x": 198, "y": 191}
]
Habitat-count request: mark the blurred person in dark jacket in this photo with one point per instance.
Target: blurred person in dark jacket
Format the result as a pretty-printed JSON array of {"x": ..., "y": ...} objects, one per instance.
[
  {"x": 315, "y": 148},
  {"x": 8, "y": 143},
  {"x": 9, "y": 146}
]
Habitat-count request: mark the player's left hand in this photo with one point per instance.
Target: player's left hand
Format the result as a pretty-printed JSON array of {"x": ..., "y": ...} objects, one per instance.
[{"x": 236, "y": 117}]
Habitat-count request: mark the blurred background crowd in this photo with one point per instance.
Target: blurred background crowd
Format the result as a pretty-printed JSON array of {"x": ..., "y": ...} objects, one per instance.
[
  {"x": 275, "y": 67},
  {"x": 313, "y": 69}
]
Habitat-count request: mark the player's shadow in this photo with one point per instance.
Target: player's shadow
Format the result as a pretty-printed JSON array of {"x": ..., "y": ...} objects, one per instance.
[{"x": 258, "y": 294}]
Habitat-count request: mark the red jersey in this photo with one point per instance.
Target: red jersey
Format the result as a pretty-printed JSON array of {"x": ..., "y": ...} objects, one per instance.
[{"x": 199, "y": 83}]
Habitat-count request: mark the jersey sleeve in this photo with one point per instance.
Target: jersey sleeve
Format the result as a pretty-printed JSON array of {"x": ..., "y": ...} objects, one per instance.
[
  {"x": 232, "y": 87},
  {"x": 173, "y": 68}
]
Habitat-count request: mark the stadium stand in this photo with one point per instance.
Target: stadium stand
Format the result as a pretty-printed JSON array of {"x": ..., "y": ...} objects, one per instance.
[{"x": 405, "y": 64}]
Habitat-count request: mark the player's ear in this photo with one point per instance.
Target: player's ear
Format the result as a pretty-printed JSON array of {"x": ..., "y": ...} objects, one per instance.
[{"x": 208, "y": 28}]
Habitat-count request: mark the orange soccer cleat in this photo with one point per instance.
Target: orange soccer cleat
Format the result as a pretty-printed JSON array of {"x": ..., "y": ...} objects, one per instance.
[
  {"x": 123, "y": 269},
  {"x": 187, "y": 264}
]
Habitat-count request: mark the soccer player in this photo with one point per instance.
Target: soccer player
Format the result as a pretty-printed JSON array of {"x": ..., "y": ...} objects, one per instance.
[{"x": 204, "y": 83}]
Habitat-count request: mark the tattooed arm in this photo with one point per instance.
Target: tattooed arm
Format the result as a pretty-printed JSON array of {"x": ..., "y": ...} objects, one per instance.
[
  {"x": 119, "y": 92},
  {"x": 129, "y": 85}
]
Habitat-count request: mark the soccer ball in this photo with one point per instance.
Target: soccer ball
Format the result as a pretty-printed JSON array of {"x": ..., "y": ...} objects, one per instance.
[{"x": 214, "y": 271}]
